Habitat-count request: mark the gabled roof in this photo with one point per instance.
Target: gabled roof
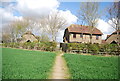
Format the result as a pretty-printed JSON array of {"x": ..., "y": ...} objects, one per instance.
[
  {"x": 83, "y": 29},
  {"x": 28, "y": 33},
  {"x": 115, "y": 32}
]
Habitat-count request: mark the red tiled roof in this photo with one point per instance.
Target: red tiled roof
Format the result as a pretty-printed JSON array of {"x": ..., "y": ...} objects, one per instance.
[{"x": 83, "y": 29}]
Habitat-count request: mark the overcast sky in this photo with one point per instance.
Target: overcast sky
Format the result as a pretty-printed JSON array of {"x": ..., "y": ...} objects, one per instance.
[{"x": 16, "y": 9}]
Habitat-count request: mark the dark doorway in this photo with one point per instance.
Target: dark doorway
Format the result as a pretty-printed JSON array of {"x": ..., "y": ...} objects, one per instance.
[
  {"x": 28, "y": 41},
  {"x": 113, "y": 42}
]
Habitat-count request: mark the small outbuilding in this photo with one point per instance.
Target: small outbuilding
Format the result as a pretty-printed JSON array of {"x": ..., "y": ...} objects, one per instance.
[
  {"x": 28, "y": 37},
  {"x": 114, "y": 38}
]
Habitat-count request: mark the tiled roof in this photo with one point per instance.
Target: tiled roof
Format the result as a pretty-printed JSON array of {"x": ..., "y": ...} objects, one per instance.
[{"x": 83, "y": 29}]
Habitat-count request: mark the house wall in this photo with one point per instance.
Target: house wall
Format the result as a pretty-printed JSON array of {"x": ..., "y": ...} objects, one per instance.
[
  {"x": 99, "y": 41},
  {"x": 112, "y": 38},
  {"x": 25, "y": 38},
  {"x": 85, "y": 39}
]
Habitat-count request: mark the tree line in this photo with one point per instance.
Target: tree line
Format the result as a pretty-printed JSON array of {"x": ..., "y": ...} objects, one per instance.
[
  {"x": 47, "y": 26},
  {"x": 88, "y": 14}
]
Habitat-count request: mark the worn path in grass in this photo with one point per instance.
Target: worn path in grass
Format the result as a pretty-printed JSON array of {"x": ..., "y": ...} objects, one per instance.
[{"x": 60, "y": 70}]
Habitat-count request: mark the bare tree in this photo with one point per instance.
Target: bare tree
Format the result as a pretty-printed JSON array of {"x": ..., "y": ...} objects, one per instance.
[
  {"x": 15, "y": 29},
  {"x": 42, "y": 25},
  {"x": 44, "y": 38},
  {"x": 7, "y": 33},
  {"x": 55, "y": 22},
  {"x": 30, "y": 23},
  {"x": 6, "y": 36},
  {"x": 19, "y": 27},
  {"x": 88, "y": 14},
  {"x": 114, "y": 15}
]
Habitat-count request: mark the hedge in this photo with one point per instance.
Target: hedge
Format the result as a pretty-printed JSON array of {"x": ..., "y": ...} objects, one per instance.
[
  {"x": 45, "y": 46},
  {"x": 93, "y": 48}
]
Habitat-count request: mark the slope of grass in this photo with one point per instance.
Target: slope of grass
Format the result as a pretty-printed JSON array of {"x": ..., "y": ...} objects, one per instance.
[
  {"x": 92, "y": 67},
  {"x": 25, "y": 64}
]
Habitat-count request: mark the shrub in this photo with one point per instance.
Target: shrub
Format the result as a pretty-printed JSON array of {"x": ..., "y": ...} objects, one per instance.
[
  {"x": 12, "y": 45},
  {"x": 41, "y": 46},
  {"x": 32, "y": 45},
  {"x": 110, "y": 48},
  {"x": 45, "y": 46},
  {"x": 71, "y": 46},
  {"x": 4, "y": 44},
  {"x": 76, "y": 46},
  {"x": 50, "y": 46},
  {"x": 94, "y": 48}
]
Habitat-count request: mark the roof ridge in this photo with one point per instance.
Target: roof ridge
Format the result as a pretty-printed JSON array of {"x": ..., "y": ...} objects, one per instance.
[{"x": 82, "y": 29}]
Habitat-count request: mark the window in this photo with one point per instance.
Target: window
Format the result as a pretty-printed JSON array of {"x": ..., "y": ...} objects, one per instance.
[
  {"x": 97, "y": 37},
  {"x": 81, "y": 35},
  {"x": 74, "y": 35}
]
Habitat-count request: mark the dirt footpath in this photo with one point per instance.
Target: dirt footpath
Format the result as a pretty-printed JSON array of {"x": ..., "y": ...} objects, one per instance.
[{"x": 60, "y": 70}]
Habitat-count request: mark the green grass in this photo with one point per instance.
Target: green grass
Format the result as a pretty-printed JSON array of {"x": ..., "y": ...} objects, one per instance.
[
  {"x": 92, "y": 67},
  {"x": 25, "y": 64},
  {"x": 0, "y": 63}
]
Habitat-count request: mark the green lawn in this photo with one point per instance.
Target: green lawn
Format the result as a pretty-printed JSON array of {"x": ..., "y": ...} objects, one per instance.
[
  {"x": 25, "y": 64},
  {"x": 0, "y": 63},
  {"x": 92, "y": 67}
]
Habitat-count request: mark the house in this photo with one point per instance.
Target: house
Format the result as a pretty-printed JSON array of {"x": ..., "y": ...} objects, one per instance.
[
  {"x": 28, "y": 37},
  {"x": 114, "y": 38},
  {"x": 81, "y": 34}
]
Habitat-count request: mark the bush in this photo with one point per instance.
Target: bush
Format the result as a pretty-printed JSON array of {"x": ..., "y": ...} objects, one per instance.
[
  {"x": 12, "y": 45},
  {"x": 72, "y": 46},
  {"x": 91, "y": 48},
  {"x": 80, "y": 47},
  {"x": 94, "y": 48},
  {"x": 110, "y": 48},
  {"x": 32, "y": 45},
  {"x": 4, "y": 44},
  {"x": 76, "y": 46},
  {"x": 28, "y": 45},
  {"x": 49, "y": 46}
]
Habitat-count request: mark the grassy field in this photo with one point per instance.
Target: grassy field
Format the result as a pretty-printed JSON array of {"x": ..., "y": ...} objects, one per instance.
[
  {"x": 0, "y": 63},
  {"x": 25, "y": 64},
  {"x": 92, "y": 67}
]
